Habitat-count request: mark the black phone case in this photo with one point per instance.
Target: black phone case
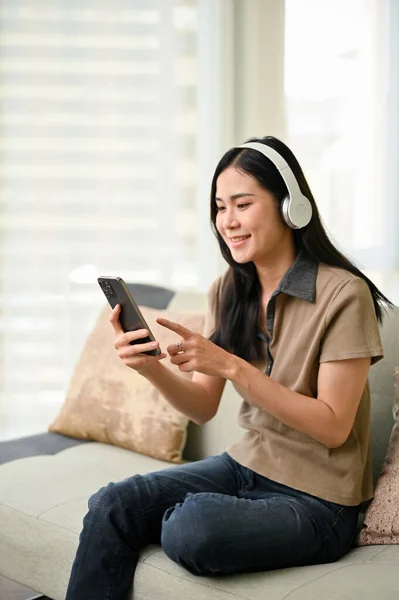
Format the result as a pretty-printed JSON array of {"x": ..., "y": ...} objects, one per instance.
[{"x": 130, "y": 317}]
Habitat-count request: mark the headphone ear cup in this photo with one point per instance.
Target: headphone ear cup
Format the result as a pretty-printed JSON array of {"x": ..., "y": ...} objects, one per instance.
[
  {"x": 284, "y": 204},
  {"x": 298, "y": 215}
]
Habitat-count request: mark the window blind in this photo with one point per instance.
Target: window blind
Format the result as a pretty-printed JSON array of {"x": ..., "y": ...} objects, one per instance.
[{"x": 98, "y": 125}]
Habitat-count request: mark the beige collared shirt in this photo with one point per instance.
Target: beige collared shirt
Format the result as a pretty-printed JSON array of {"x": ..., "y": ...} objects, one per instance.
[{"x": 317, "y": 314}]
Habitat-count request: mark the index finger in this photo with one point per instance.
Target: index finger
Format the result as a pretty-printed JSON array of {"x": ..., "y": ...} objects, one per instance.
[
  {"x": 176, "y": 327},
  {"x": 114, "y": 319}
]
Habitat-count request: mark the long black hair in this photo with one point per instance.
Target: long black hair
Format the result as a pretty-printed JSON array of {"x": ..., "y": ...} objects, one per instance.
[{"x": 239, "y": 303}]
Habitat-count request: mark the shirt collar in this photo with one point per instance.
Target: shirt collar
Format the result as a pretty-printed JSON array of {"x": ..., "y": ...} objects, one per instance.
[{"x": 300, "y": 279}]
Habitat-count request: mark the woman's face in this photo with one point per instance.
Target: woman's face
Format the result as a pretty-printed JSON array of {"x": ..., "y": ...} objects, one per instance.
[{"x": 248, "y": 218}]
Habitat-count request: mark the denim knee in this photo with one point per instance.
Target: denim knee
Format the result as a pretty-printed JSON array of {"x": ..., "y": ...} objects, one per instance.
[
  {"x": 189, "y": 538},
  {"x": 103, "y": 498},
  {"x": 106, "y": 503}
]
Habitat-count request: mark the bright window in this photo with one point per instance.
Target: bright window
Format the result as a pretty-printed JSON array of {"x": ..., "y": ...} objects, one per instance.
[
  {"x": 337, "y": 71},
  {"x": 100, "y": 139}
]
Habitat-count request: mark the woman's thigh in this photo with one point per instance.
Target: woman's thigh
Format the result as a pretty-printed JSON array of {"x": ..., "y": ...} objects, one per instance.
[
  {"x": 137, "y": 504},
  {"x": 212, "y": 533}
]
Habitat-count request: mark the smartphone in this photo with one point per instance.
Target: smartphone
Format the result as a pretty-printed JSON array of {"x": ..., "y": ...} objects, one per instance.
[{"x": 130, "y": 317}]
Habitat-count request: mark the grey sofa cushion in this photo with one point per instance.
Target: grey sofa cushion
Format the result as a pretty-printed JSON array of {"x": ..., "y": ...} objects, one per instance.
[
  {"x": 36, "y": 445},
  {"x": 154, "y": 296},
  {"x": 382, "y": 391}
]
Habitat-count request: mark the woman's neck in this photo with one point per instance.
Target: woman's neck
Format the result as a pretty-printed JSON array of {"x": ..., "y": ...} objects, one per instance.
[{"x": 272, "y": 269}]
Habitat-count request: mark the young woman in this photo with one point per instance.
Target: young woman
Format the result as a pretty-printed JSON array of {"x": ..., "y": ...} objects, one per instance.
[{"x": 293, "y": 324}]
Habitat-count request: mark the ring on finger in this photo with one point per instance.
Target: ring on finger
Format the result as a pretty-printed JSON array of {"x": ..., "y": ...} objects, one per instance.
[{"x": 179, "y": 346}]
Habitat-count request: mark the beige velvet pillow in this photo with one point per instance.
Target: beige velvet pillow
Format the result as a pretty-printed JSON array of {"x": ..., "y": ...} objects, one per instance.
[
  {"x": 381, "y": 523},
  {"x": 109, "y": 402}
]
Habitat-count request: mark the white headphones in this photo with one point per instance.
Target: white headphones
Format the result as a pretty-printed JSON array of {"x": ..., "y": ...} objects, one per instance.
[{"x": 296, "y": 209}]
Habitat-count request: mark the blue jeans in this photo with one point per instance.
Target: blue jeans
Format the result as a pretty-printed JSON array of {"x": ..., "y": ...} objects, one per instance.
[{"x": 213, "y": 516}]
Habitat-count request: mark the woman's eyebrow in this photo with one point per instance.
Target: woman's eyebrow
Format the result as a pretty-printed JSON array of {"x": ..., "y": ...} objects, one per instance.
[{"x": 235, "y": 196}]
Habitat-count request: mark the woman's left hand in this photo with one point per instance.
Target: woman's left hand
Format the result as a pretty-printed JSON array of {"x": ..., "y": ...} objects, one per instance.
[{"x": 196, "y": 353}]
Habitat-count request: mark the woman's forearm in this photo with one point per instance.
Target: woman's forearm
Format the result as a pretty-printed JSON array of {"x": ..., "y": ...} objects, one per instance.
[
  {"x": 303, "y": 413},
  {"x": 188, "y": 397}
]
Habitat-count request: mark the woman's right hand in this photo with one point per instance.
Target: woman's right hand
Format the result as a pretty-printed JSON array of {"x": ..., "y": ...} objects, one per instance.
[{"x": 132, "y": 354}]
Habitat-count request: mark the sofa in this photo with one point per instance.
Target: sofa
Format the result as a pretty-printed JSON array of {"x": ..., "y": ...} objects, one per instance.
[{"x": 46, "y": 480}]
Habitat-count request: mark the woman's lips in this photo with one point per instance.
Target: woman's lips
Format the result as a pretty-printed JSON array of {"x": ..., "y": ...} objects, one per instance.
[{"x": 239, "y": 242}]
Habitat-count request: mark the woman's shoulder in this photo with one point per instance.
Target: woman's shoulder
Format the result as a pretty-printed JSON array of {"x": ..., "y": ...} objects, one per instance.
[
  {"x": 332, "y": 280},
  {"x": 216, "y": 286}
]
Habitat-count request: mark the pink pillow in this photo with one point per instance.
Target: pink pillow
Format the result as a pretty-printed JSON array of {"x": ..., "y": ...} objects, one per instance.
[{"x": 381, "y": 523}]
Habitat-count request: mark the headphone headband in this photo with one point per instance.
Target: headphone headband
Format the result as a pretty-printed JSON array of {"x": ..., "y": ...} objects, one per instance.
[{"x": 296, "y": 208}]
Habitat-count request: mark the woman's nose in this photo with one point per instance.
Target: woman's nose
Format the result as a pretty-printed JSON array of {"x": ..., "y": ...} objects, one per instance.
[{"x": 230, "y": 219}]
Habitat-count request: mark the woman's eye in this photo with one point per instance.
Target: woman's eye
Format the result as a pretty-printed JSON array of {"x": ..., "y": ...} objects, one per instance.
[{"x": 239, "y": 206}]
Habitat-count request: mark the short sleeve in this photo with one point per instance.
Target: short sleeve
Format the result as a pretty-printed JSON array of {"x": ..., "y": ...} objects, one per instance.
[
  {"x": 351, "y": 325},
  {"x": 213, "y": 294}
]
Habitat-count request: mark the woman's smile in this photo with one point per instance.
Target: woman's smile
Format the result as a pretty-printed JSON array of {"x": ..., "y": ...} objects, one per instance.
[{"x": 237, "y": 241}]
